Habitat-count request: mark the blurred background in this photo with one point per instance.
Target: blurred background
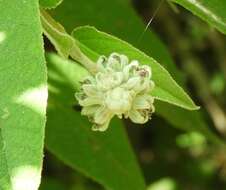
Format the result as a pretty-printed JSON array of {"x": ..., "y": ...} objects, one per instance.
[{"x": 170, "y": 158}]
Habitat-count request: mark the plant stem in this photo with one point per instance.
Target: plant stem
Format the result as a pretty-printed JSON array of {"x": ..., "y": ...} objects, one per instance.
[
  {"x": 65, "y": 44},
  {"x": 77, "y": 55}
]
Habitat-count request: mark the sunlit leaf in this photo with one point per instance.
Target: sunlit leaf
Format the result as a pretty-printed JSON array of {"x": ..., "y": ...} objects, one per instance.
[
  {"x": 166, "y": 89},
  {"x": 121, "y": 20},
  {"x": 23, "y": 95}
]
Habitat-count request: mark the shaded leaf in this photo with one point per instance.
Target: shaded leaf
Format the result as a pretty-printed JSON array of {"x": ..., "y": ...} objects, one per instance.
[
  {"x": 211, "y": 11},
  {"x": 186, "y": 120}
]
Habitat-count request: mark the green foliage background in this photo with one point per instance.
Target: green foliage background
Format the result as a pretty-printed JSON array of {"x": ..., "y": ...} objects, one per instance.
[{"x": 177, "y": 149}]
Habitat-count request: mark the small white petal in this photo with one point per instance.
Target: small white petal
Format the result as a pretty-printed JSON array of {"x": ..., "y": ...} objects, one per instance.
[
  {"x": 102, "y": 127},
  {"x": 118, "y": 100},
  {"x": 114, "y": 62},
  {"x": 80, "y": 96},
  {"x": 108, "y": 81},
  {"x": 88, "y": 80},
  {"x": 90, "y": 90},
  {"x": 143, "y": 87},
  {"x": 137, "y": 117},
  {"x": 129, "y": 69},
  {"x": 90, "y": 101},
  {"x": 141, "y": 102},
  {"x": 117, "y": 78},
  {"x": 102, "y": 115},
  {"x": 124, "y": 61},
  {"x": 132, "y": 82},
  {"x": 101, "y": 63},
  {"x": 89, "y": 110},
  {"x": 134, "y": 63}
]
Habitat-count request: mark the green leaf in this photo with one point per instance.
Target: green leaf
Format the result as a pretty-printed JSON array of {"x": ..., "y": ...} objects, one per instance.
[
  {"x": 96, "y": 43},
  {"x": 211, "y": 11},
  {"x": 105, "y": 157},
  {"x": 91, "y": 13},
  {"x": 23, "y": 95},
  {"x": 50, "y": 4},
  {"x": 186, "y": 120},
  {"x": 63, "y": 42},
  {"x": 56, "y": 34},
  {"x": 130, "y": 31},
  {"x": 165, "y": 183}
]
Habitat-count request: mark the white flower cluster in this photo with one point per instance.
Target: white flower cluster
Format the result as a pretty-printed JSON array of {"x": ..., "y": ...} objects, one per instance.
[{"x": 120, "y": 88}]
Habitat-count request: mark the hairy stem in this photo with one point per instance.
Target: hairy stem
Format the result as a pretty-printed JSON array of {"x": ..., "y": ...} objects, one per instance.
[{"x": 65, "y": 44}]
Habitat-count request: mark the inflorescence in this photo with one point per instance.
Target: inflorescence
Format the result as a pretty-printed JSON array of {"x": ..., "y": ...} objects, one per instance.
[{"x": 119, "y": 88}]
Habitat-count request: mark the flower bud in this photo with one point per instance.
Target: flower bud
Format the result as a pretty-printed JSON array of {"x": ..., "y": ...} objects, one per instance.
[{"x": 120, "y": 88}]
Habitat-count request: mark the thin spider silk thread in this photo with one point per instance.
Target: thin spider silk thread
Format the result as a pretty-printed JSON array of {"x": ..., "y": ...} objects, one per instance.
[{"x": 150, "y": 21}]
